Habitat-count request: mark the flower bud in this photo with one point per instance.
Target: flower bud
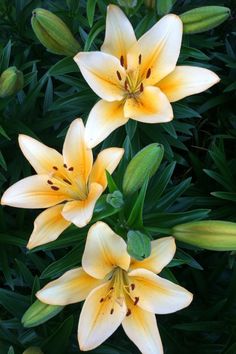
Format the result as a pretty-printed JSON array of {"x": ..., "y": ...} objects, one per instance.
[
  {"x": 53, "y": 33},
  {"x": 144, "y": 164},
  {"x": 39, "y": 313},
  {"x": 115, "y": 199},
  {"x": 138, "y": 245},
  {"x": 11, "y": 81},
  {"x": 33, "y": 350},
  {"x": 209, "y": 234},
  {"x": 204, "y": 18},
  {"x": 128, "y": 3}
]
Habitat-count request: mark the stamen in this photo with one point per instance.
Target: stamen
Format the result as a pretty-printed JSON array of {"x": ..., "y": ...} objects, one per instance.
[
  {"x": 55, "y": 168},
  {"x": 111, "y": 288},
  {"x": 132, "y": 286},
  {"x": 141, "y": 87},
  {"x": 122, "y": 60},
  {"x": 49, "y": 182},
  {"x": 55, "y": 188},
  {"x": 140, "y": 59},
  {"x": 111, "y": 312},
  {"x": 66, "y": 180},
  {"x": 128, "y": 313},
  {"x": 65, "y": 165},
  {"x": 126, "y": 85},
  {"x": 136, "y": 300},
  {"x": 118, "y": 75},
  {"x": 148, "y": 73},
  {"x": 71, "y": 169},
  {"x": 102, "y": 299}
]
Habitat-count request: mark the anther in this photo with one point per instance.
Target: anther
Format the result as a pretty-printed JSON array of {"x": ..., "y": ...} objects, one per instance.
[
  {"x": 122, "y": 60},
  {"x": 148, "y": 73},
  {"x": 111, "y": 288},
  {"x": 71, "y": 169},
  {"x": 141, "y": 87},
  {"x": 66, "y": 180},
  {"x": 111, "y": 312},
  {"x": 102, "y": 299},
  {"x": 140, "y": 59},
  {"x": 128, "y": 313},
  {"x": 55, "y": 168},
  {"x": 126, "y": 85},
  {"x": 132, "y": 286},
  {"x": 55, "y": 188},
  {"x": 65, "y": 165},
  {"x": 118, "y": 75},
  {"x": 136, "y": 300},
  {"x": 49, "y": 182}
]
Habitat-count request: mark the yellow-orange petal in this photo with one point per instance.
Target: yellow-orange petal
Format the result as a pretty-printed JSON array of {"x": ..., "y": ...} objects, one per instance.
[
  {"x": 48, "y": 226},
  {"x": 152, "y": 106},
  {"x": 104, "y": 250},
  {"x": 103, "y": 119},
  {"x": 187, "y": 80}
]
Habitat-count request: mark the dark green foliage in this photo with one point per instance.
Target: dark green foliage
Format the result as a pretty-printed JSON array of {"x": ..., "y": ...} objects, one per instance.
[{"x": 196, "y": 180}]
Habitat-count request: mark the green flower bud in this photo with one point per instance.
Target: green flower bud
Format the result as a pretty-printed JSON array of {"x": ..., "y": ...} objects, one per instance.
[
  {"x": 204, "y": 18},
  {"x": 138, "y": 245},
  {"x": 53, "y": 33},
  {"x": 11, "y": 81},
  {"x": 209, "y": 234},
  {"x": 144, "y": 164},
  {"x": 164, "y": 6},
  {"x": 33, "y": 350},
  {"x": 39, "y": 313},
  {"x": 128, "y": 3},
  {"x": 115, "y": 199}
]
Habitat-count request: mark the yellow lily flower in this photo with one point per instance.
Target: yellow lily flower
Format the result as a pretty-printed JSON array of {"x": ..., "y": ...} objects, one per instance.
[
  {"x": 137, "y": 79},
  {"x": 68, "y": 184},
  {"x": 118, "y": 290}
]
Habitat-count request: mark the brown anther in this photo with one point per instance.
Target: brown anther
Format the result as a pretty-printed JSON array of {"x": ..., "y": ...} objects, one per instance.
[
  {"x": 71, "y": 169},
  {"x": 136, "y": 300},
  {"x": 49, "y": 182},
  {"x": 128, "y": 313},
  {"x": 132, "y": 286},
  {"x": 102, "y": 299},
  {"x": 118, "y": 75},
  {"x": 55, "y": 168},
  {"x": 141, "y": 87},
  {"x": 65, "y": 165},
  {"x": 66, "y": 180},
  {"x": 111, "y": 288},
  {"x": 148, "y": 73},
  {"x": 140, "y": 59},
  {"x": 126, "y": 85},
  {"x": 111, "y": 312},
  {"x": 55, "y": 188},
  {"x": 122, "y": 62}
]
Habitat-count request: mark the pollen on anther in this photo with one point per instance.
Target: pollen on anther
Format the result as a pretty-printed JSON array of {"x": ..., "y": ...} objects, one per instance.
[
  {"x": 111, "y": 312},
  {"x": 118, "y": 75},
  {"x": 128, "y": 313},
  {"x": 55, "y": 188},
  {"x": 136, "y": 300},
  {"x": 122, "y": 60},
  {"x": 65, "y": 165},
  {"x": 55, "y": 168},
  {"x": 141, "y": 87},
  {"x": 71, "y": 169},
  {"x": 49, "y": 182},
  {"x": 102, "y": 299},
  {"x": 132, "y": 286},
  {"x": 148, "y": 73},
  {"x": 67, "y": 181},
  {"x": 140, "y": 59},
  {"x": 126, "y": 84}
]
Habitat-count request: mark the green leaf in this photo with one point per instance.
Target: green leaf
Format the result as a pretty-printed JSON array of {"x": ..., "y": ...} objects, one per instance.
[
  {"x": 91, "y": 4},
  {"x": 138, "y": 245},
  {"x": 136, "y": 215}
]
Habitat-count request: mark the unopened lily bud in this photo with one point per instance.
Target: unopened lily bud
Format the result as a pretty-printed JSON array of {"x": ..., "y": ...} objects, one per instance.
[
  {"x": 138, "y": 245},
  {"x": 209, "y": 234},
  {"x": 204, "y": 18},
  {"x": 144, "y": 164},
  {"x": 164, "y": 6},
  {"x": 115, "y": 199},
  {"x": 128, "y": 3},
  {"x": 53, "y": 33},
  {"x": 33, "y": 350},
  {"x": 39, "y": 313},
  {"x": 11, "y": 81}
]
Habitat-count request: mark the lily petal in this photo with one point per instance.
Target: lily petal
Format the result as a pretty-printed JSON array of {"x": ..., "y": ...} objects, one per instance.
[
  {"x": 156, "y": 294},
  {"x": 141, "y": 327},
  {"x": 187, "y": 80},
  {"x": 71, "y": 287},
  {"x": 104, "y": 250},
  {"x": 33, "y": 192},
  {"x": 80, "y": 212},
  {"x": 48, "y": 226},
  {"x": 103, "y": 73},
  {"x": 107, "y": 160},
  {"x": 41, "y": 157},
  {"x": 159, "y": 49},
  {"x": 119, "y": 36},
  {"x": 75, "y": 152},
  {"x": 162, "y": 252},
  {"x": 100, "y": 317},
  {"x": 102, "y": 120},
  {"x": 152, "y": 106}
]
